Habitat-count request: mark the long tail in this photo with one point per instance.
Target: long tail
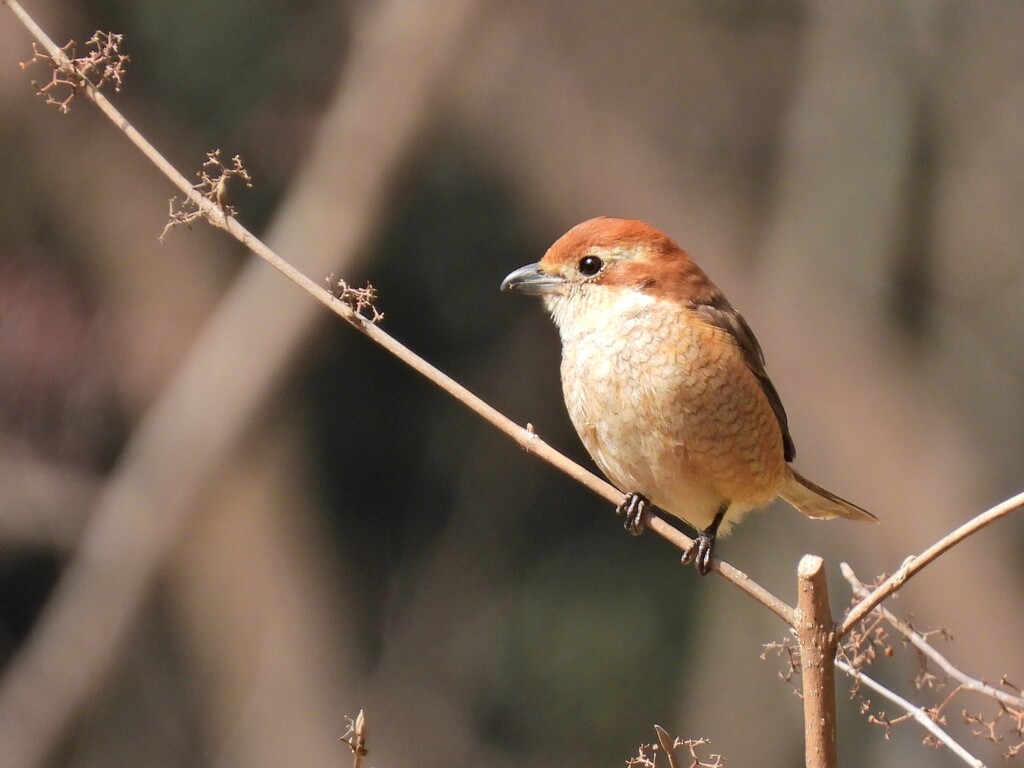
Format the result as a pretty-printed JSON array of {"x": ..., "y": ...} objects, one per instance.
[{"x": 815, "y": 501}]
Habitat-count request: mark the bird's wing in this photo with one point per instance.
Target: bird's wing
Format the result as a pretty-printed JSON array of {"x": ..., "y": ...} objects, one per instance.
[{"x": 721, "y": 314}]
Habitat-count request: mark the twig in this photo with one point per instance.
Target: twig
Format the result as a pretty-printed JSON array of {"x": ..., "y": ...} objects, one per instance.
[
  {"x": 920, "y": 642},
  {"x": 913, "y": 564},
  {"x": 355, "y": 738},
  {"x": 213, "y": 185},
  {"x": 526, "y": 439},
  {"x": 918, "y": 714}
]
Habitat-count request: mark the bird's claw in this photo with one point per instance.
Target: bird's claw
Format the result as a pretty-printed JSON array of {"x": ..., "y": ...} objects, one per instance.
[
  {"x": 634, "y": 508},
  {"x": 701, "y": 552}
]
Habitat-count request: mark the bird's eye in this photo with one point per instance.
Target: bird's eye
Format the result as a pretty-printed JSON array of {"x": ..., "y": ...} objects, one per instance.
[{"x": 590, "y": 266}]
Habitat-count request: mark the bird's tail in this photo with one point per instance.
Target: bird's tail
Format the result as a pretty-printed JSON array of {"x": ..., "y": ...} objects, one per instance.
[{"x": 815, "y": 501}]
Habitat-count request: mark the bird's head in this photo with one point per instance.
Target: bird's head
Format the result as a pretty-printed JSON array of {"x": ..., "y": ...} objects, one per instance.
[{"x": 604, "y": 262}]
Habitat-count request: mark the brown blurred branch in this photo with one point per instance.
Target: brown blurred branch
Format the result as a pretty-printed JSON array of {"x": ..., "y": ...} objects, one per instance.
[
  {"x": 915, "y": 563},
  {"x": 44, "y": 505}
]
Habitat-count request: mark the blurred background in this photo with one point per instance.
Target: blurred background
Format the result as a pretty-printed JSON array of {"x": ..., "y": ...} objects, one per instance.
[{"x": 228, "y": 521}]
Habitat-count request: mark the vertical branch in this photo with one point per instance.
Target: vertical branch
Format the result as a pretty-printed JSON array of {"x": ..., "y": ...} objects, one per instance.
[{"x": 815, "y": 632}]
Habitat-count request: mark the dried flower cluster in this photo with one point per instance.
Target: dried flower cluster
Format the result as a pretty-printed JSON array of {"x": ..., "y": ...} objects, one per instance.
[
  {"x": 863, "y": 646},
  {"x": 104, "y": 63},
  {"x": 647, "y": 754},
  {"x": 359, "y": 300},
  {"x": 790, "y": 652},
  {"x": 212, "y": 186},
  {"x": 866, "y": 642},
  {"x": 1006, "y": 726},
  {"x": 881, "y": 632}
]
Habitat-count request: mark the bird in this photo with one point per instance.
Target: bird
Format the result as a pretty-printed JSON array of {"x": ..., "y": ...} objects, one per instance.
[{"x": 665, "y": 384}]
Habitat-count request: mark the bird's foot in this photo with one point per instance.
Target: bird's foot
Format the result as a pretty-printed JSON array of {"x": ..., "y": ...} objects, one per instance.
[
  {"x": 701, "y": 552},
  {"x": 635, "y": 509}
]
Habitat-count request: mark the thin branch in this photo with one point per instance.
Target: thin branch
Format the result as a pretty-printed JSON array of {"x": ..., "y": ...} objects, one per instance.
[
  {"x": 914, "y": 711},
  {"x": 527, "y": 439},
  {"x": 920, "y": 642},
  {"x": 913, "y": 564}
]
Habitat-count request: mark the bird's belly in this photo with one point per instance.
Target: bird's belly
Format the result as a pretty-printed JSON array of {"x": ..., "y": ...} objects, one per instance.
[{"x": 667, "y": 419}]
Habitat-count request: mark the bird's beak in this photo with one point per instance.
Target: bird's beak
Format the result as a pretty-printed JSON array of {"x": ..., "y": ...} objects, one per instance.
[{"x": 530, "y": 280}]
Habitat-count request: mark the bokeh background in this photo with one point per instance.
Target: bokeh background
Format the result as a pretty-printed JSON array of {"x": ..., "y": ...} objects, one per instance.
[{"x": 228, "y": 521}]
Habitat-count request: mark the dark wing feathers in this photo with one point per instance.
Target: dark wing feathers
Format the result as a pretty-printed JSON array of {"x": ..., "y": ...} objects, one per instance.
[{"x": 721, "y": 314}]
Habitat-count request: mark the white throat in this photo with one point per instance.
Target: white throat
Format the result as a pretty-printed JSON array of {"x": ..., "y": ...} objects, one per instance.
[{"x": 591, "y": 309}]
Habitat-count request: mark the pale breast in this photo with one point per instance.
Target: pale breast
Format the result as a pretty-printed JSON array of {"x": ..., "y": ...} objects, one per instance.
[{"x": 667, "y": 407}]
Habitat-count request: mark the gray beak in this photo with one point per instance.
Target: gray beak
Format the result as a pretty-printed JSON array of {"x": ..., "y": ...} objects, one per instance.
[{"x": 531, "y": 281}]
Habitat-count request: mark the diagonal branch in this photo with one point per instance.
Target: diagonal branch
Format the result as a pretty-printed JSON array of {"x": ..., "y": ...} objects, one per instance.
[
  {"x": 913, "y": 564},
  {"x": 918, "y": 714}
]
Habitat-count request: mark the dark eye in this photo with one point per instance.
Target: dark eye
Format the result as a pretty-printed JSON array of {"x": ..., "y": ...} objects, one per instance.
[{"x": 590, "y": 266}]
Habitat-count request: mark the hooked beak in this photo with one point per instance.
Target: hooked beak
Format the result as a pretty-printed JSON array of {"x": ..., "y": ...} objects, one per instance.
[{"x": 531, "y": 281}]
